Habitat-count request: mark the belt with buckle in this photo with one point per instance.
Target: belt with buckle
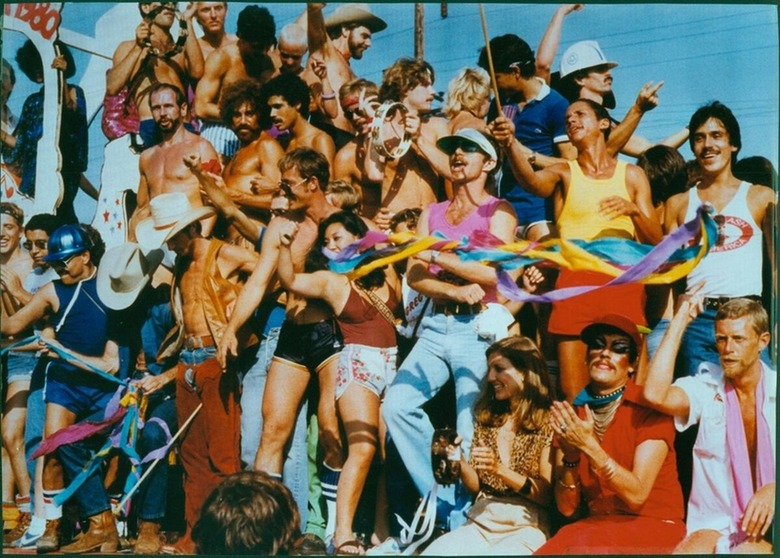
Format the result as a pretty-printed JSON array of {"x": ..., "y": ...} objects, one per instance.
[
  {"x": 457, "y": 309},
  {"x": 714, "y": 303},
  {"x": 193, "y": 342}
]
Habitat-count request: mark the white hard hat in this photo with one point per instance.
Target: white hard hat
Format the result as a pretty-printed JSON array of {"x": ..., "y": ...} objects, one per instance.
[{"x": 582, "y": 55}]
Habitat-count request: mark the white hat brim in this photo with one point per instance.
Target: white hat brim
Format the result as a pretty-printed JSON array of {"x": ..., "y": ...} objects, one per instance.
[{"x": 116, "y": 300}]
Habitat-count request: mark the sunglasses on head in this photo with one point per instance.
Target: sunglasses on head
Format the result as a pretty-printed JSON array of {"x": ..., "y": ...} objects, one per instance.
[{"x": 39, "y": 244}]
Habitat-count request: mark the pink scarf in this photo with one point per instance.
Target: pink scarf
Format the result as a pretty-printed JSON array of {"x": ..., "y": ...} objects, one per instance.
[{"x": 736, "y": 443}]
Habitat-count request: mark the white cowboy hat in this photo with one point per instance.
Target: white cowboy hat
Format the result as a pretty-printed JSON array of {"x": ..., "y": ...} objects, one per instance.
[
  {"x": 171, "y": 213},
  {"x": 123, "y": 273},
  {"x": 355, "y": 13}
]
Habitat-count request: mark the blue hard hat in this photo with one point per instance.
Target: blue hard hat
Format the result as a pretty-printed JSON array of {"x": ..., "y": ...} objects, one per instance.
[{"x": 66, "y": 241}]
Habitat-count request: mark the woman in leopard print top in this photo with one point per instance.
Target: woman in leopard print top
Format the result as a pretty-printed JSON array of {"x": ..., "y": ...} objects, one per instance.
[{"x": 510, "y": 467}]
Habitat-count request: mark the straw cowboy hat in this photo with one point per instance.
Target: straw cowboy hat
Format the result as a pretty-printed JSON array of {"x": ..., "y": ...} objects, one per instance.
[
  {"x": 171, "y": 213},
  {"x": 355, "y": 13},
  {"x": 123, "y": 273}
]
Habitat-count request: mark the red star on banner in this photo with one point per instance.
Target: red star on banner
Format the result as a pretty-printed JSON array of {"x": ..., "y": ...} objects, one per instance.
[{"x": 106, "y": 215}]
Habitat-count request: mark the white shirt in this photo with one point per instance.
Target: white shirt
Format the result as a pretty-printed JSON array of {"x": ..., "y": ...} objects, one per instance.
[{"x": 712, "y": 492}]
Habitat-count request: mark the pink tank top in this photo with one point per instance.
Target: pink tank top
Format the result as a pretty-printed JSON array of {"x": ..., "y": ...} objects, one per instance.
[{"x": 478, "y": 220}]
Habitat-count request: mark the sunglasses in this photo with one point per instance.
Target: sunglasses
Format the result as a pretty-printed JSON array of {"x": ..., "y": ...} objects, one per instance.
[
  {"x": 39, "y": 244},
  {"x": 287, "y": 188},
  {"x": 618, "y": 346},
  {"x": 465, "y": 146},
  {"x": 62, "y": 265}
]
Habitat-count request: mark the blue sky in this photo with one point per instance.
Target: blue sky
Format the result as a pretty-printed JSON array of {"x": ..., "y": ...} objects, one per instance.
[{"x": 727, "y": 52}]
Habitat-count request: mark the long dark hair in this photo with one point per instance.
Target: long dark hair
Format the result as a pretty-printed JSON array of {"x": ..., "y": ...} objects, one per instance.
[{"x": 527, "y": 409}]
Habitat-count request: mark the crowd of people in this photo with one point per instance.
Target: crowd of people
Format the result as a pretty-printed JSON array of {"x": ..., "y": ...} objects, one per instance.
[{"x": 300, "y": 402}]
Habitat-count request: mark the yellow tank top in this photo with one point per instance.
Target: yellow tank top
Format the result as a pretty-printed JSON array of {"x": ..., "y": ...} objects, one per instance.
[{"x": 580, "y": 217}]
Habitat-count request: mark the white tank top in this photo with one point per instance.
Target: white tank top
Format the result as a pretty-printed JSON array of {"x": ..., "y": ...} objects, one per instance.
[{"x": 733, "y": 266}]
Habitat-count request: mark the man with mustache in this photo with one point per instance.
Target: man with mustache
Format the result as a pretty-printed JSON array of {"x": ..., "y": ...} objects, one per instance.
[
  {"x": 343, "y": 35},
  {"x": 252, "y": 176},
  {"x": 162, "y": 166},
  {"x": 286, "y": 98},
  {"x": 732, "y": 269},
  {"x": 452, "y": 340}
]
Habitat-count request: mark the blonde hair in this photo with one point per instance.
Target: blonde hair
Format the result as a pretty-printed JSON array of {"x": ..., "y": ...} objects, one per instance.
[
  {"x": 343, "y": 195},
  {"x": 467, "y": 91}
]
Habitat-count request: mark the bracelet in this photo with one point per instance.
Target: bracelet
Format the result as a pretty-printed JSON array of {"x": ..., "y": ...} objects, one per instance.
[
  {"x": 532, "y": 158},
  {"x": 569, "y": 486},
  {"x": 328, "y": 97},
  {"x": 571, "y": 464},
  {"x": 606, "y": 471}
]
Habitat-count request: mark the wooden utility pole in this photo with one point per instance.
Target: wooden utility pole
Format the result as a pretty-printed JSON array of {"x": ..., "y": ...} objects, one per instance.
[{"x": 419, "y": 31}]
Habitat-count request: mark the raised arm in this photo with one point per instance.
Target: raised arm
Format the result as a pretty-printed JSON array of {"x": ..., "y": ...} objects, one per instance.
[
  {"x": 620, "y": 135},
  {"x": 193, "y": 55},
  {"x": 317, "y": 34},
  {"x": 657, "y": 388},
  {"x": 548, "y": 46},
  {"x": 541, "y": 183}
]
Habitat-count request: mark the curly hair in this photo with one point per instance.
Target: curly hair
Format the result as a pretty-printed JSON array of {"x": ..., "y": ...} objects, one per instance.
[
  {"x": 45, "y": 222},
  {"x": 256, "y": 25},
  {"x": 238, "y": 93},
  {"x": 404, "y": 75},
  {"x": 528, "y": 408}
]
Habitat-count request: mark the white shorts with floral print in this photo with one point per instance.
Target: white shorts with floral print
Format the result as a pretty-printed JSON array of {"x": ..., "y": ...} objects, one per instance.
[{"x": 372, "y": 367}]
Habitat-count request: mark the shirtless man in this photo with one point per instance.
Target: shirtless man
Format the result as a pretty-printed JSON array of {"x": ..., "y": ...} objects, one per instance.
[
  {"x": 252, "y": 176},
  {"x": 211, "y": 17},
  {"x": 309, "y": 343},
  {"x": 162, "y": 167},
  {"x": 209, "y": 451},
  {"x": 412, "y": 180},
  {"x": 344, "y": 34},
  {"x": 147, "y": 60},
  {"x": 350, "y": 162},
  {"x": 743, "y": 211},
  {"x": 287, "y": 98},
  {"x": 246, "y": 58}
]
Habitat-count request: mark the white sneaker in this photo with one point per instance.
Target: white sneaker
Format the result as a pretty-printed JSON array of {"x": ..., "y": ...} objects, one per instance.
[{"x": 27, "y": 540}]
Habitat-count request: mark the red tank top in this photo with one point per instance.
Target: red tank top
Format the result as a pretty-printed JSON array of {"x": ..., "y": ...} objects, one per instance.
[{"x": 362, "y": 324}]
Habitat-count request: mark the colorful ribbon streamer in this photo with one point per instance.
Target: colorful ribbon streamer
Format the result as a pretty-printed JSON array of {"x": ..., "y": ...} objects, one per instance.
[{"x": 626, "y": 260}]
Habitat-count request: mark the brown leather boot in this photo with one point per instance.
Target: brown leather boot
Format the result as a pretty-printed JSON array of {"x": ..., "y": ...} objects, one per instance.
[
  {"x": 148, "y": 538},
  {"x": 22, "y": 523},
  {"x": 50, "y": 540},
  {"x": 101, "y": 536}
]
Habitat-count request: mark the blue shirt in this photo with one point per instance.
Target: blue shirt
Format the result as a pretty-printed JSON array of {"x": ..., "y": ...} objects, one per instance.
[{"x": 539, "y": 126}]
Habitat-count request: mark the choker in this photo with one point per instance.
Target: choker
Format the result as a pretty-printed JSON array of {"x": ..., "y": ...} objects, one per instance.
[{"x": 585, "y": 397}]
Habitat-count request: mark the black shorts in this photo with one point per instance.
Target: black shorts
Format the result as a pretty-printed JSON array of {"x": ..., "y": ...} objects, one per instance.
[{"x": 309, "y": 346}]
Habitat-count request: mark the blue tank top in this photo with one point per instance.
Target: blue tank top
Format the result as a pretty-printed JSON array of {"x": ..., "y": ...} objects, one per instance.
[{"x": 85, "y": 329}]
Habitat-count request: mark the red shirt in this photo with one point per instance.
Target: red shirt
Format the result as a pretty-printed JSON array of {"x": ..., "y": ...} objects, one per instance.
[{"x": 633, "y": 424}]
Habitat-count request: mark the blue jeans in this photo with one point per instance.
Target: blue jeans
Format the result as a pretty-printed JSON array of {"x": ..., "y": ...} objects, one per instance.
[
  {"x": 698, "y": 345},
  {"x": 152, "y": 497},
  {"x": 447, "y": 345},
  {"x": 295, "y": 468},
  {"x": 91, "y": 495}
]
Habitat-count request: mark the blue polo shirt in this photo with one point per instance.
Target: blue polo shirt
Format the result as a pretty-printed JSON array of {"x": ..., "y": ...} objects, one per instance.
[{"x": 539, "y": 125}]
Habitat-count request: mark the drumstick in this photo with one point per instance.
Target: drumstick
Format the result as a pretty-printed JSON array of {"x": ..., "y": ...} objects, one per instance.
[{"x": 489, "y": 57}]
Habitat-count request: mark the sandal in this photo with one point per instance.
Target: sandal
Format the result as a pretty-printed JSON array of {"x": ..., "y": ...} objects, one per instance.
[{"x": 352, "y": 547}]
